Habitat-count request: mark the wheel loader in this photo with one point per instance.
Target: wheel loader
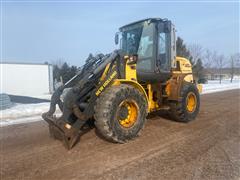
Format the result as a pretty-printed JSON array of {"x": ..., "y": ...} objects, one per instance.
[{"x": 118, "y": 90}]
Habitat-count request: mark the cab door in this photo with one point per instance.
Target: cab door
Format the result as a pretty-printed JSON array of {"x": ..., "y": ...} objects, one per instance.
[{"x": 164, "y": 47}]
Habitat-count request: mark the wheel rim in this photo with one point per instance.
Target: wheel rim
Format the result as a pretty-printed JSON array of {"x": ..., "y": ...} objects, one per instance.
[
  {"x": 191, "y": 102},
  {"x": 128, "y": 113}
]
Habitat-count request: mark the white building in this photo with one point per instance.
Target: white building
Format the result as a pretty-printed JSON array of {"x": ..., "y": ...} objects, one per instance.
[{"x": 26, "y": 79}]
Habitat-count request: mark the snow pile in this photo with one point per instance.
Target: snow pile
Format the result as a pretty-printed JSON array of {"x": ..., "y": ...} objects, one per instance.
[
  {"x": 215, "y": 86},
  {"x": 23, "y": 113},
  {"x": 26, "y": 110},
  {"x": 20, "y": 120}
]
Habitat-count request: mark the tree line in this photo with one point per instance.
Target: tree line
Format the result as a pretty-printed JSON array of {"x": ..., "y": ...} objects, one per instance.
[
  {"x": 63, "y": 72},
  {"x": 202, "y": 58}
]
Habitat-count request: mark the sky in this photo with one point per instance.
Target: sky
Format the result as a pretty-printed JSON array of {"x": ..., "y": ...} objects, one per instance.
[{"x": 36, "y": 32}]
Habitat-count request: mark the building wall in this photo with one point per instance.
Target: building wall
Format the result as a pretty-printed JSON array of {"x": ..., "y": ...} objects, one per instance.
[{"x": 26, "y": 79}]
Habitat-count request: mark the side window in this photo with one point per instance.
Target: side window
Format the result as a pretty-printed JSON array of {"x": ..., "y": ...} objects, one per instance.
[
  {"x": 162, "y": 43},
  {"x": 163, "y": 53}
]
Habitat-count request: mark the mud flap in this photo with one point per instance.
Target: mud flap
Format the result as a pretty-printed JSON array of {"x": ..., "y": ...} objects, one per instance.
[{"x": 64, "y": 132}]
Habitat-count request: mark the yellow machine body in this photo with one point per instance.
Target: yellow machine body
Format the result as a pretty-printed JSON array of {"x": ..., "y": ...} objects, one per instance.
[
  {"x": 118, "y": 90},
  {"x": 182, "y": 73}
]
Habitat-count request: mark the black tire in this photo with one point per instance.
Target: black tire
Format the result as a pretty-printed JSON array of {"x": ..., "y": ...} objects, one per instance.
[
  {"x": 107, "y": 108},
  {"x": 179, "y": 111}
]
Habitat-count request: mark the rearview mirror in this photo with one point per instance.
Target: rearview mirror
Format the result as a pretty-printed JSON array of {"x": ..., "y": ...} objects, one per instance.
[{"x": 116, "y": 38}]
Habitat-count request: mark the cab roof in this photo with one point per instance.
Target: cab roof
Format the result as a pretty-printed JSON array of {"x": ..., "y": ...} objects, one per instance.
[{"x": 140, "y": 21}]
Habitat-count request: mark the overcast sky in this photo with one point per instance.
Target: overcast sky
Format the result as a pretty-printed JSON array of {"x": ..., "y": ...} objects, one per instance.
[{"x": 43, "y": 31}]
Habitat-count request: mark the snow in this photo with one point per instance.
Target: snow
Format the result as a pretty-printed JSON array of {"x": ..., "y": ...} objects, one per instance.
[
  {"x": 23, "y": 120},
  {"x": 24, "y": 110},
  {"x": 24, "y": 113},
  {"x": 215, "y": 86}
]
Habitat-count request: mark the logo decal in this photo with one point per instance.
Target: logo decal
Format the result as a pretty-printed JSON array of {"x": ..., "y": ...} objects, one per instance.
[{"x": 100, "y": 90}]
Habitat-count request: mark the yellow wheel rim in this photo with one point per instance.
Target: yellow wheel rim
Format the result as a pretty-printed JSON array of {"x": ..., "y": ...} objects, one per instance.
[
  {"x": 191, "y": 102},
  {"x": 130, "y": 113}
]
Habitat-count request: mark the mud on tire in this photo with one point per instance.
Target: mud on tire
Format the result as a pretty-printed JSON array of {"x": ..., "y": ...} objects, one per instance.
[
  {"x": 106, "y": 108},
  {"x": 178, "y": 110}
]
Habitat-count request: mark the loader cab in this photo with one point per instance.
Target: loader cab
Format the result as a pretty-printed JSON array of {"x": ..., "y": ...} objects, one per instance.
[{"x": 153, "y": 41}]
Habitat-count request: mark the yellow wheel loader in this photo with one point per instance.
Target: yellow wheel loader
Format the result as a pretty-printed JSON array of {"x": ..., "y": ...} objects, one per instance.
[{"x": 118, "y": 90}]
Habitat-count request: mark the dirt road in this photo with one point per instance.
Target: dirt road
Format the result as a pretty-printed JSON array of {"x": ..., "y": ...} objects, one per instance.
[{"x": 207, "y": 148}]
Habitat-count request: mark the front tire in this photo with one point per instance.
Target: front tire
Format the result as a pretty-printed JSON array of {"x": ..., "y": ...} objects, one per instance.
[
  {"x": 188, "y": 107},
  {"x": 120, "y": 113}
]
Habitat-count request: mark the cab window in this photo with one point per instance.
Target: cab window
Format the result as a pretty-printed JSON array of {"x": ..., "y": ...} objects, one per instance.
[{"x": 163, "y": 52}]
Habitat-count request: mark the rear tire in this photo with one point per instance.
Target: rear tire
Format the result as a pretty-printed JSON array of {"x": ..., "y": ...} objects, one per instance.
[
  {"x": 183, "y": 111},
  {"x": 108, "y": 120}
]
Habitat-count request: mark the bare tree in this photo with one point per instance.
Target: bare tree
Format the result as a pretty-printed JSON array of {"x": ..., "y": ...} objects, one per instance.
[
  {"x": 208, "y": 58},
  {"x": 219, "y": 62},
  {"x": 196, "y": 52},
  {"x": 232, "y": 59},
  {"x": 234, "y": 63}
]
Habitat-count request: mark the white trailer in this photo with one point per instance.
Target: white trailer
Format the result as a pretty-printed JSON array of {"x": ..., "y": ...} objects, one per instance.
[{"x": 25, "y": 79}]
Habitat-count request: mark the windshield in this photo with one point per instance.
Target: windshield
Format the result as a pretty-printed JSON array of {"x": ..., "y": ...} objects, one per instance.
[
  {"x": 130, "y": 40},
  {"x": 139, "y": 40}
]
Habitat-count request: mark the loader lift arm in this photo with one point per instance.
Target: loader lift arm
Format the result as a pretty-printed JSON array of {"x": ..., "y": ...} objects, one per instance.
[{"x": 82, "y": 92}]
